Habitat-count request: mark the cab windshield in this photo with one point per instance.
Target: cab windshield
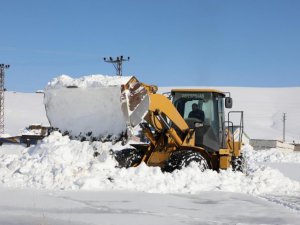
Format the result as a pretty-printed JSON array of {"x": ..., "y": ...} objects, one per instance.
[
  {"x": 209, "y": 104},
  {"x": 205, "y": 102}
]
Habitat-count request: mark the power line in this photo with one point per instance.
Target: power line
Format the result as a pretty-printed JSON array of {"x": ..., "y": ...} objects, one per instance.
[
  {"x": 283, "y": 120},
  {"x": 2, "y": 89},
  {"x": 117, "y": 62}
]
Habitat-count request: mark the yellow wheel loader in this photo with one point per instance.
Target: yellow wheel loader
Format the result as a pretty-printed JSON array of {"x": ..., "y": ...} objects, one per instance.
[{"x": 187, "y": 126}]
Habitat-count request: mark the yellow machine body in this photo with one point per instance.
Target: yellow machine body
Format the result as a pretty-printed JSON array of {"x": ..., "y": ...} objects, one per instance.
[{"x": 167, "y": 130}]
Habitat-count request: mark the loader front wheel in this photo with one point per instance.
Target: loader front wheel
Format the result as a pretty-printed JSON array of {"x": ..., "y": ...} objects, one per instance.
[
  {"x": 128, "y": 157},
  {"x": 183, "y": 158}
]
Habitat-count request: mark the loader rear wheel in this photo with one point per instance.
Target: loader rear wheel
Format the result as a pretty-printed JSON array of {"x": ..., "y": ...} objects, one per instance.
[
  {"x": 183, "y": 158},
  {"x": 128, "y": 157},
  {"x": 239, "y": 164}
]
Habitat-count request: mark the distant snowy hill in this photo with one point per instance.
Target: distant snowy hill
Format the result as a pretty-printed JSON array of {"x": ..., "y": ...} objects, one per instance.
[{"x": 263, "y": 110}]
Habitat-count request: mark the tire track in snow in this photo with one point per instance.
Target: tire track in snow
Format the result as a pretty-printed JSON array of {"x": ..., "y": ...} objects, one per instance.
[{"x": 288, "y": 201}]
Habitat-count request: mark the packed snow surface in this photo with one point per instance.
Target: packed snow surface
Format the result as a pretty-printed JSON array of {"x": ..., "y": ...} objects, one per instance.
[
  {"x": 60, "y": 163},
  {"x": 91, "y": 108},
  {"x": 39, "y": 207}
]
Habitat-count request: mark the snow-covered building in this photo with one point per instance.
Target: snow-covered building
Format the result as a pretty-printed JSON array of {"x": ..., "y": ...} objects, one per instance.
[
  {"x": 297, "y": 147},
  {"x": 259, "y": 144}
]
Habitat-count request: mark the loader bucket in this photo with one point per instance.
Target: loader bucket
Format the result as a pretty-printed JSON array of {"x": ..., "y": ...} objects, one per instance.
[
  {"x": 135, "y": 102},
  {"x": 94, "y": 107}
]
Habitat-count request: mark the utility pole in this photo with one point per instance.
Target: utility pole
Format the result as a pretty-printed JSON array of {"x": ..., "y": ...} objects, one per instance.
[
  {"x": 2, "y": 76},
  {"x": 283, "y": 120},
  {"x": 117, "y": 62}
]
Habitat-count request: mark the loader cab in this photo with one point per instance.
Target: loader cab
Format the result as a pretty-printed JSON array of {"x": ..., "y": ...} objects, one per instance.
[{"x": 210, "y": 133}]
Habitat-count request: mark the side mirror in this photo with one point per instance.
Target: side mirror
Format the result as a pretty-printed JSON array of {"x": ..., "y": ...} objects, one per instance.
[{"x": 228, "y": 102}]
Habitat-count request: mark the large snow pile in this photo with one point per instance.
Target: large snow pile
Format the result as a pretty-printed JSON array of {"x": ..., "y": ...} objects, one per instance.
[
  {"x": 86, "y": 107},
  {"x": 23, "y": 109},
  {"x": 60, "y": 163},
  {"x": 89, "y": 81}
]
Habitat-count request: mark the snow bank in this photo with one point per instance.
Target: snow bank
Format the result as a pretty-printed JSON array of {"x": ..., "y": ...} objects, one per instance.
[
  {"x": 60, "y": 163},
  {"x": 272, "y": 156},
  {"x": 91, "y": 109}
]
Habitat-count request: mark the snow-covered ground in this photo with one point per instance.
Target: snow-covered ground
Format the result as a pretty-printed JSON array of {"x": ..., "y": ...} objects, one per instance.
[
  {"x": 29, "y": 207},
  {"x": 58, "y": 181}
]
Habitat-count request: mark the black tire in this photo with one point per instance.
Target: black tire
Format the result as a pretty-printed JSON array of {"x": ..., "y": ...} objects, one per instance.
[
  {"x": 238, "y": 164},
  {"x": 183, "y": 158},
  {"x": 128, "y": 157}
]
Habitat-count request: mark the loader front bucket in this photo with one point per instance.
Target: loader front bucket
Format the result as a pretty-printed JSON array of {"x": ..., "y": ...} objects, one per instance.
[
  {"x": 94, "y": 107},
  {"x": 135, "y": 102}
]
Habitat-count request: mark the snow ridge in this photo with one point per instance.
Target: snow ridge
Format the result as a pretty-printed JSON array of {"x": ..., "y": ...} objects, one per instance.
[
  {"x": 88, "y": 81},
  {"x": 63, "y": 164},
  {"x": 273, "y": 156}
]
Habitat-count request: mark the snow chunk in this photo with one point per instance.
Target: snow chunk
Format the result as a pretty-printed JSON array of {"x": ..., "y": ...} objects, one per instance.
[{"x": 92, "y": 110}]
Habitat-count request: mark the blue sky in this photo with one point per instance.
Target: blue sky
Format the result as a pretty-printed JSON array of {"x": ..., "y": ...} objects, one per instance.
[{"x": 170, "y": 42}]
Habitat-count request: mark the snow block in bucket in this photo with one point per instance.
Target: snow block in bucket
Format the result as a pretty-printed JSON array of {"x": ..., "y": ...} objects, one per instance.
[{"x": 88, "y": 107}]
